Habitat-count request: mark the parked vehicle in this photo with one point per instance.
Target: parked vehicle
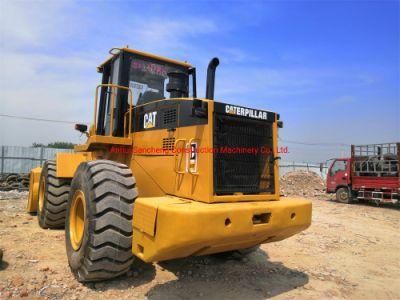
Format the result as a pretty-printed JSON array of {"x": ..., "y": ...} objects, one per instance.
[
  {"x": 370, "y": 174},
  {"x": 141, "y": 186}
]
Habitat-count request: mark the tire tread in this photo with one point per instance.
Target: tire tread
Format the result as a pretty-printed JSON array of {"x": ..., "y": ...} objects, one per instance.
[
  {"x": 56, "y": 199},
  {"x": 109, "y": 248}
]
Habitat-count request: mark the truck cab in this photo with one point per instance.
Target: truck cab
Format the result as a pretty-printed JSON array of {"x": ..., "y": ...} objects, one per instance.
[
  {"x": 338, "y": 174},
  {"x": 338, "y": 179}
]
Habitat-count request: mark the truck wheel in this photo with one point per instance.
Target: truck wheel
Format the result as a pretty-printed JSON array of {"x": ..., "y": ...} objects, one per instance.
[
  {"x": 343, "y": 195},
  {"x": 99, "y": 220},
  {"x": 53, "y": 197}
]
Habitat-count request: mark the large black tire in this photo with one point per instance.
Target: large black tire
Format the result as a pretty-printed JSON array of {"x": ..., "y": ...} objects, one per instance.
[
  {"x": 343, "y": 195},
  {"x": 105, "y": 250},
  {"x": 54, "y": 192}
]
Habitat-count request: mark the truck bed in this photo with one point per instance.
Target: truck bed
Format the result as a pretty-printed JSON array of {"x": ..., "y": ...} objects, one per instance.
[
  {"x": 372, "y": 182},
  {"x": 375, "y": 166}
]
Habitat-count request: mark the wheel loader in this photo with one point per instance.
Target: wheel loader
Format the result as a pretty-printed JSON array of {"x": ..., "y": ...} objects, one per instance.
[{"x": 164, "y": 174}]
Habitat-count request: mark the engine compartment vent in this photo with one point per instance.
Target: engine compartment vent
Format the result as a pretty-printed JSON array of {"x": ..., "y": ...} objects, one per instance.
[
  {"x": 168, "y": 143},
  {"x": 169, "y": 116}
]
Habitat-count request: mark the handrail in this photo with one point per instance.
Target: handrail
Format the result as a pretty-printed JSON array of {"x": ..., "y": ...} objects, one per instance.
[
  {"x": 130, "y": 121},
  {"x": 176, "y": 167},
  {"x": 113, "y": 86}
]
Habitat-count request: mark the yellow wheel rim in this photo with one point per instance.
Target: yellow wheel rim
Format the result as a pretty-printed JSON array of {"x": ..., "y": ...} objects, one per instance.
[
  {"x": 41, "y": 195},
  {"x": 77, "y": 219}
]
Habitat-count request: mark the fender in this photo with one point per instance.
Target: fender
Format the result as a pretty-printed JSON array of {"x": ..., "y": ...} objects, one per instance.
[
  {"x": 33, "y": 197},
  {"x": 66, "y": 164}
]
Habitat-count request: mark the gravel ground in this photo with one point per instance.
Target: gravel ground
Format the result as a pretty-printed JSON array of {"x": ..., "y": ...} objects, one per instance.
[{"x": 350, "y": 251}]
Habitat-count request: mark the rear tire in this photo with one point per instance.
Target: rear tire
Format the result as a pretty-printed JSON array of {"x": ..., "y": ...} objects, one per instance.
[
  {"x": 53, "y": 197},
  {"x": 105, "y": 248},
  {"x": 343, "y": 195}
]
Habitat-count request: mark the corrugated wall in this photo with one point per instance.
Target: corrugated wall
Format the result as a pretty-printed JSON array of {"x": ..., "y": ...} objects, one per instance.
[
  {"x": 16, "y": 159},
  {"x": 285, "y": 166}
]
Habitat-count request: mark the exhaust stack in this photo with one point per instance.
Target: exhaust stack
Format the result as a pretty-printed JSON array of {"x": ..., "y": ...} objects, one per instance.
[{"x": 212, "y": 66}]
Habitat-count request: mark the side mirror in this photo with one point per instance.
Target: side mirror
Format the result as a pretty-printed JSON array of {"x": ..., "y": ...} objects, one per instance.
[
  {"x": 280, "y": 124},
  {"x": 82, "y": 128}
]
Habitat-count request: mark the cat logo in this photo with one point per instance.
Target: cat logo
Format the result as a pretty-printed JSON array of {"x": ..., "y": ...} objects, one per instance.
[{"x": 149, "y": 120}]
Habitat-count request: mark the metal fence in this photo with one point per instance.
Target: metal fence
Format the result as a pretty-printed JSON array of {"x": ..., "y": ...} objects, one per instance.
[
  {"x": 285, "y": 166},
  {"x": 16, "y": 159}
]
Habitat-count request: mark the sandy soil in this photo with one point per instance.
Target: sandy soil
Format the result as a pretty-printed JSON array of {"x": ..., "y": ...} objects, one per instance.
[{"x": 350, "y": 251}]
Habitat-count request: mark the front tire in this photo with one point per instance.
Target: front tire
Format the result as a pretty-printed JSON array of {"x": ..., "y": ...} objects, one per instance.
[
  {"x": 99, "y": 220},
  {"x": 53, "y": 198},
  {"x": 343, "y": 195}
]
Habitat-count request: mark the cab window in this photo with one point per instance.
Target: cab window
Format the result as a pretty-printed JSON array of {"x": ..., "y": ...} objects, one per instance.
[
  {"x": 338, "y": 166},
  {"x": 148, "y": 79}
]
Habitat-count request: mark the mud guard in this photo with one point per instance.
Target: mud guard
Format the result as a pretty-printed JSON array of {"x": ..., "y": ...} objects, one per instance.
[{"x": 33, "y": 197}]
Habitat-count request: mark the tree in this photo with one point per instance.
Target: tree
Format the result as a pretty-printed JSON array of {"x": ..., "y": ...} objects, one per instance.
[
  {"x": 37, "y": 145},
  {"x": 59, "y": 145}
]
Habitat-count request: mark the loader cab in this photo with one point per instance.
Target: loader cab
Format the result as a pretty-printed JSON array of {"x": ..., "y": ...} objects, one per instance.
[{"x": 132, "y": 78}]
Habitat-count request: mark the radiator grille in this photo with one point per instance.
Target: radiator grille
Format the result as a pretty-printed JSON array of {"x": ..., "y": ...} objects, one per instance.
[{"x": 242, "y": 172}]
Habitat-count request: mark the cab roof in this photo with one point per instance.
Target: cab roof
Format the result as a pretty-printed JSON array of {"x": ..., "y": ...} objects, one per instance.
[{"x": 146, "y": 54}]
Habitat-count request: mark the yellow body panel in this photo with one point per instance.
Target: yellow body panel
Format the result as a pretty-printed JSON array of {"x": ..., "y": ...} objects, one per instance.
[
  {"x": 33, "y": 196},
  {"x": 196, "y": 186},
  {"x": 103, "y": 140},
  {"x": 150, "y": 174},
  {"x": 67, "y": 163},
  {"x": 146, "y": 216},
  {"x": 183, "y": 227}
]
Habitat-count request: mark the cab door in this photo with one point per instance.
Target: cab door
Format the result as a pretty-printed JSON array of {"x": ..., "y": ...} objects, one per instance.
[{"x": 338, "y": 174}]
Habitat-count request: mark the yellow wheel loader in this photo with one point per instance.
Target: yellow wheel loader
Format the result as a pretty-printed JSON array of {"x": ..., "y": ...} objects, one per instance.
[{"x": 164, "y": 174}]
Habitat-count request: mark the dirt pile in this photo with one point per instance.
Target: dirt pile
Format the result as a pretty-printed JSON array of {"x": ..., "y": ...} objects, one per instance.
[{"x": 302, "y": 183}]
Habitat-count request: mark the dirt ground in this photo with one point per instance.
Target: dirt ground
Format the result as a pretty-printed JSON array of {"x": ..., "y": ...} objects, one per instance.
[{"x": 350, "y": 251}]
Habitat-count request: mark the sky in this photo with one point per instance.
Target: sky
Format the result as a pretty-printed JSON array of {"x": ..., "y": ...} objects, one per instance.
[{"x": 331, "y": 69}]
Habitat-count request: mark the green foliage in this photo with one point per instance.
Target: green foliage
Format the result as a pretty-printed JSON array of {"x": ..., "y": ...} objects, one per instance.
[
  {"x": 37, "y": 145},
  {"x": 59, "y": 145}
]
